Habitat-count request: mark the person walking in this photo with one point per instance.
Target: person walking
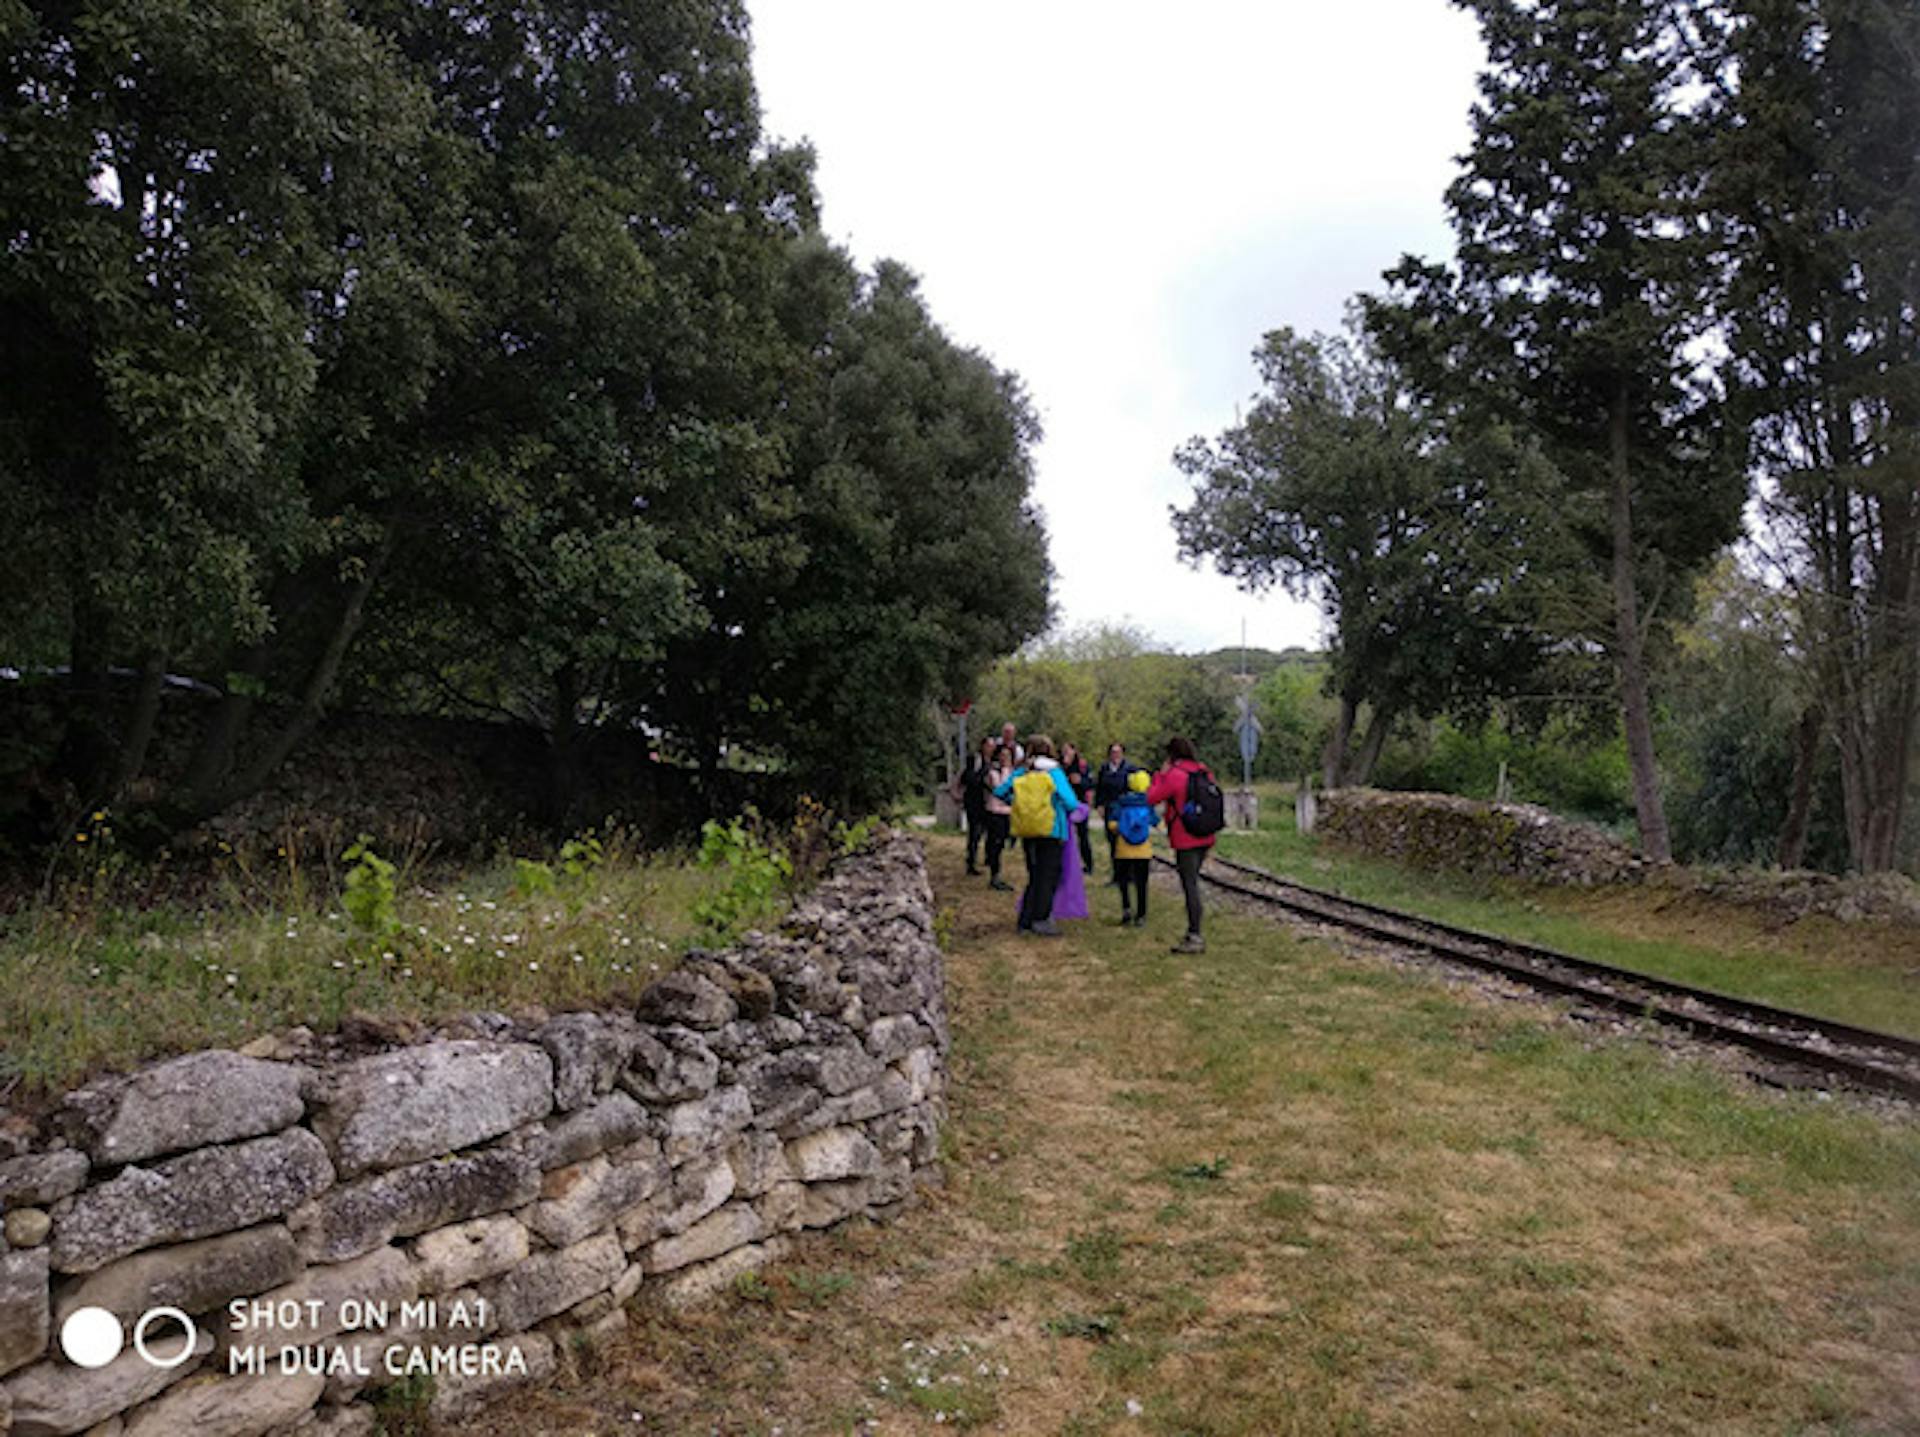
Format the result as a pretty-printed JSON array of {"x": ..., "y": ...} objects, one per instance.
[
  {"x": 1080, "y": 774},
  {"x": 1130, "y": 823},
  {"x": 1196, "y": 811},
  {"x": 1110, "y": 780},
  {"x": 999, "y": 813},
  {"x": 970, "y": 788},
  {"x": 1040, "y": 798}
]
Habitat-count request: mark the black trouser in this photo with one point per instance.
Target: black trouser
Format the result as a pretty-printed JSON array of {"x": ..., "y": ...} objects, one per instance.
[
  {"x": 976, "y": 830},
  {"x": 1113, "y": 837},
  {"x": 1131, "y": 874},
  {"x": 1188, "y": 861},
  {"x": 997, "y": 825},
  {"x": 1086, "y": 846},
  {"x": 1043, "y": 876}
]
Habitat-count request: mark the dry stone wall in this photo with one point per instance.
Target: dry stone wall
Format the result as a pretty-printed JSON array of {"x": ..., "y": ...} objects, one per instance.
[
  {"x": 1438, "y": 831},
  {"x": 336, "y": 1223}
]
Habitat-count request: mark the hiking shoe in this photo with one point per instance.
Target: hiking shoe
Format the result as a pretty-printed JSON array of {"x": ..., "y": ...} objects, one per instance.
[
  {"x": 972, "y": 872},
  {"x": 1045, "y": 928},
  {"x": 1192, "y": 943},
  {"x": 1126, "y": 920},
  {"x": 1002, "y": 885}
]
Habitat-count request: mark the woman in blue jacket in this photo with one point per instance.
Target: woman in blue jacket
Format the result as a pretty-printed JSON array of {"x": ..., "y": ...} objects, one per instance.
[{"x": 1042, "y": 852}]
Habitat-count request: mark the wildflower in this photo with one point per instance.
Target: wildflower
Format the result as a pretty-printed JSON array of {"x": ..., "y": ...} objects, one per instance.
[
  {"x": 533, "y": 967},
  {"x": 1134, "y": 1409},
  {"x": 79, "y": 838},
  {"x": 99, "y": 815}
]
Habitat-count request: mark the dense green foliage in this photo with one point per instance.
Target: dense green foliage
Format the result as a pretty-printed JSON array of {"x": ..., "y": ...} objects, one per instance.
[
  {"x": 1686, "y": 277},
  {"x": 1423, "y": 547},
  {"x": 476, "y": 360}
]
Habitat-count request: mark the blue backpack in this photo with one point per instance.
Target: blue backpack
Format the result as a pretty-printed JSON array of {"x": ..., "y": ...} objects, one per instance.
[{"x": 1133, "y": 818}]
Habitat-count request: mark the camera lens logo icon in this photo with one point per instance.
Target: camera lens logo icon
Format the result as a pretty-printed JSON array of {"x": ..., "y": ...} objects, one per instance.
[{"x": 91, "y": 1337}]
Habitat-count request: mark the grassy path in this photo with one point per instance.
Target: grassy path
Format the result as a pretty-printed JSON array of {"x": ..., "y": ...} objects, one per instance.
[{"x": 1278, "y": 1190}]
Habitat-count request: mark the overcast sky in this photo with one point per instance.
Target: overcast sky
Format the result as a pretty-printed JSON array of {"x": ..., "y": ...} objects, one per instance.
[{"x": 1116, "y": 200}]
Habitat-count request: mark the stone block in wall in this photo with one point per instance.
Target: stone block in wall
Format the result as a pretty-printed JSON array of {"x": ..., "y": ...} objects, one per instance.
[
  {"x": 803, "y": 984},
  {"x": 832, "y": 1154},
  {"x": 195, "y": 1277},
  {"x": 551, "y": 1282},
  {"x": 198, "y": 1194},
  {"x": 759, "y": 1161},
  {"x": 895, "y": 1035},
  {"x": 359, "y": 1216},
  {"x": 413, "y": 1103},
  {"x": 188, "y": 1102},
  {"x": 615, "y": 1121},
  {"x": 825, "y": 1204},
  {"x": 53, "y": 1399},
  {"x": 783, "y": 1087},
  {"x": 367, "y": 1352},
  {"x": 627, "y": 1284},
  {"x": 891, "y": 1093},
  {"x": 922, "y": 1071},
  {"x": 469, "y": 1252},
  {"x": 780, "y": 1207},
  {"x": 526, "y": 1358},
  {"x": 696, "y": 1284},
  {"x": 354, "y": 1420},
  {"x": 385, "y": 1275},
  {"x": 698, "y": 1188},
  {"x": 24, "y": 1309},
  {"x": 41, "y": 1178},
  {"x": 585, "y": 1197},
  {"x": 671, "y": 1065},
  {"x": 683, "y": 999},
  {"x": 732, "y": 1226},
  {"x": 705, "y": 1123},
  {"x": 207, "y": 1405},
  {"x": 845, "y": 1067},
  {"x": 751, "y": 990},
  {"x": 589, "y": 1050}
]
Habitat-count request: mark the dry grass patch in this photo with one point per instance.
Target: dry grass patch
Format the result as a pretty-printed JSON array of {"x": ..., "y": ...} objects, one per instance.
[{"x": 1277, "y": 1190}]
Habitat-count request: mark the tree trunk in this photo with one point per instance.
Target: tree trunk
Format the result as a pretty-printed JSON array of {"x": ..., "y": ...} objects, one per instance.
[
  {"x": 1333, "y": 760},
  {"x": 563, "y": 747},
  {"x": 138, "y": 737},
  {"x": 1629, "y": 649},
  {"x": 1370, "y": 746},
  {"x": 1806, "y": 756}
]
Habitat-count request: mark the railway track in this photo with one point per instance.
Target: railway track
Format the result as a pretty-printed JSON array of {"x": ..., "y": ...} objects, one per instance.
[{"x": 1862, "y": 1058}]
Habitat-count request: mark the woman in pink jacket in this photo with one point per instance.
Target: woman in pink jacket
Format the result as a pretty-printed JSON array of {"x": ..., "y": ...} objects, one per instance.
[{"x": 1189, "y": 849}]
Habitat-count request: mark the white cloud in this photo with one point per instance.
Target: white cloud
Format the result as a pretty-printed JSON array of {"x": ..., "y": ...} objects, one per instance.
[{"x": 1116, "y": 201}]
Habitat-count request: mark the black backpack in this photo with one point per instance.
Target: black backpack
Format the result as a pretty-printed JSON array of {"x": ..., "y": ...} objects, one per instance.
[{"x": 1204, "y": 813}]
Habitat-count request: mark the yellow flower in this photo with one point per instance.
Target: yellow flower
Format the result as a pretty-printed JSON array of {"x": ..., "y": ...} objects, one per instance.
[
  {"x": 79, "y": 838},
  {"x": 99, "y": 815}
]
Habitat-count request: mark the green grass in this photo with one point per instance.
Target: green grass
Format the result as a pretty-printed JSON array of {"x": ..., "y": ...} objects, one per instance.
[
  {"x": 1276, "y": 1189},
  {"x": 94, "y": 981},
  {"x": 1863, "y": 973}
]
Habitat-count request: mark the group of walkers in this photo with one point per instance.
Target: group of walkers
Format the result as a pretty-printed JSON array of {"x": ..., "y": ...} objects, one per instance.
[{"x": 1047, "y": 799}]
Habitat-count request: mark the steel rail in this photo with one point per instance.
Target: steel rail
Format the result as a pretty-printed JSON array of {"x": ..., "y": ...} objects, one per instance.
[{"x": 1586, "y": 980}]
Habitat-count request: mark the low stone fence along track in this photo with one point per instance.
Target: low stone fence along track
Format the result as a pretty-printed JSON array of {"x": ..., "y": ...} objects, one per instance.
[{"x": 336, "y": 1223}]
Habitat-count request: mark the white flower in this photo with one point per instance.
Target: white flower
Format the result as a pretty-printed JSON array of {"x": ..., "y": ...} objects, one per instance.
[
  {"x": 1134, "y": 1409},
  {"x": 533, "y": 967}
]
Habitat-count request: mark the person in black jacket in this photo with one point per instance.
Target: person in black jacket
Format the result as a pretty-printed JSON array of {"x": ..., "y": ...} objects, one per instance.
[
  {"x": 1109, "y": 783},
  {"x": 971, "y": 789},
  {"x": 1080, "y": 775}
]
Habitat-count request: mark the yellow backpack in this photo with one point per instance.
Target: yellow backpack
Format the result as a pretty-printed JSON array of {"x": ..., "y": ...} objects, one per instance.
[{"x": 1033, "y": 795}]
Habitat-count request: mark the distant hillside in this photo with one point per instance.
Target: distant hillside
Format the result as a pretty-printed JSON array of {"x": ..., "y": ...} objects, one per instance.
[{"x": 1259, "y": 662}]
